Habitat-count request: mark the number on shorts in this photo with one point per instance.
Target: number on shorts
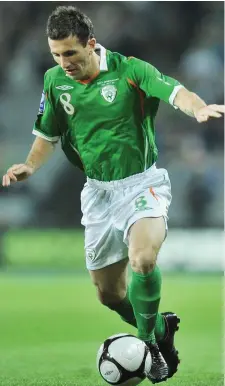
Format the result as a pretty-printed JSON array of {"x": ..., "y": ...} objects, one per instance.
[{"x": 141, "y": 203}]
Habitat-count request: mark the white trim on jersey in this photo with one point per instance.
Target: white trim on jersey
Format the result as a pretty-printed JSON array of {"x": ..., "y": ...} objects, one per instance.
[
  {"x": 50, "y": 139},
  {"x": 174, "y": 93},
  {"x": 103, "y": 61}
]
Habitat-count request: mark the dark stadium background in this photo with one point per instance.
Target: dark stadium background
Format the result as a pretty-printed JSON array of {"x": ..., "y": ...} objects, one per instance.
[{"x": 45, "y": 293}]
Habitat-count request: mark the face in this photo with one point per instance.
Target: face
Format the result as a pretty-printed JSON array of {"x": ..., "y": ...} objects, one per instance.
[{"x": 74, "y": 59}]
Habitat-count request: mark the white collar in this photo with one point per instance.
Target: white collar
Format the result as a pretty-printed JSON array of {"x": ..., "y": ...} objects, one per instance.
[{"x": 103, "y": 61}]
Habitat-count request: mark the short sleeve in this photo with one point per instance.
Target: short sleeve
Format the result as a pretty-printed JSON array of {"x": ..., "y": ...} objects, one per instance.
[
  {"x": 153, "y": 82},
  {"x": 46, "y": 125}
]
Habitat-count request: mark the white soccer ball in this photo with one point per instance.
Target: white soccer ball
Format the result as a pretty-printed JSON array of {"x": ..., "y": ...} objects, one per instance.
[{"x": 124, "y": 360}]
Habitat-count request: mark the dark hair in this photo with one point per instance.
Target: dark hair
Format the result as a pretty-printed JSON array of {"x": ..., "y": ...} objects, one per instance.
[{"x": 66, "y": 21}]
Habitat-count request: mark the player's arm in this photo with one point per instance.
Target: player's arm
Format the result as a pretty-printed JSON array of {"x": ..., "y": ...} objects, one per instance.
[
  {"x": 38, "y": 155},
  {"x": 192, "y": 105},
  {"x": 47, "y": 134},
  {"x": 156, "y": 84}
]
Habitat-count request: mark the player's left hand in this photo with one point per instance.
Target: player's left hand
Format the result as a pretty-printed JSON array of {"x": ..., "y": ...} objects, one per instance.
[{"x": 210, "y": 111}]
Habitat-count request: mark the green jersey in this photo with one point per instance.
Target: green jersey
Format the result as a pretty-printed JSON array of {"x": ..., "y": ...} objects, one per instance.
[{"x": 106, "y": 124}]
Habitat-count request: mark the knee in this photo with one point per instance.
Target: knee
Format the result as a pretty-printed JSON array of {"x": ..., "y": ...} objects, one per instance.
[{"x": 143, "y": 260}]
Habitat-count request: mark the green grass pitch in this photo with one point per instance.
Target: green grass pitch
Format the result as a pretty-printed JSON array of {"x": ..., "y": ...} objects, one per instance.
[{"x": 52, "y": 326}]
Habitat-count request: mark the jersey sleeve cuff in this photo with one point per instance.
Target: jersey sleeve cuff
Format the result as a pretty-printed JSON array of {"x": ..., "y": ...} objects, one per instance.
[
  {"x": 173, "y": 95},
  {"x": 50, "y": 139}
]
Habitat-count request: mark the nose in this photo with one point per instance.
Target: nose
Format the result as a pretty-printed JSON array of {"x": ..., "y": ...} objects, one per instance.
[{"x": 64, "y": 62}]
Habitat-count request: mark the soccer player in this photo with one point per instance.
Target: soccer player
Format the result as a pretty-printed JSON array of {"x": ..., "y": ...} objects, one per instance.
[{"x": 102, "y": 106}]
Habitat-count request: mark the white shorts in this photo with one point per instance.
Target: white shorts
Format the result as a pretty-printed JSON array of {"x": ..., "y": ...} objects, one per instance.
[{"x": 110, "y": 208}]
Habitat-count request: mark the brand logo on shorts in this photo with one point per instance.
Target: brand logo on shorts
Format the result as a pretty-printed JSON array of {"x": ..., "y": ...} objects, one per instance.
[
  {"x": 90, "y": 254},
  {"x": 109, "y": 93}
]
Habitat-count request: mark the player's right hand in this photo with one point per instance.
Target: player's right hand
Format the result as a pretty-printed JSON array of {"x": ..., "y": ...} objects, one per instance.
[{"x": 18, "y": 172}]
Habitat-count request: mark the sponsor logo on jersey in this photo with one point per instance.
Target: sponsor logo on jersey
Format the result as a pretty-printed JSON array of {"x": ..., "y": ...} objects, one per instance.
[
  {"x": 42, "y": 103},
  {"x": 90, "y": 254},
  {"x": 64, "y": 87},
  {"x": 107, "y": 82},
  {"x": 109, "y": 93}
]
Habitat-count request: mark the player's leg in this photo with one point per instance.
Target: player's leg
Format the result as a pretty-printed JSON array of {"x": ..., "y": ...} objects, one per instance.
[
  {"x": 106, "y": 253},
  {"x": 111, "y": 286},
  {"x": 149, "y": 197},
  {"x": 104, "y": 245},
  {"x": 145, "y": 239}
]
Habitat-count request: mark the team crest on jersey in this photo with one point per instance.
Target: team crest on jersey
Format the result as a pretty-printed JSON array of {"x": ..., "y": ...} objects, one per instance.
[{"x": 109, "y": 93}]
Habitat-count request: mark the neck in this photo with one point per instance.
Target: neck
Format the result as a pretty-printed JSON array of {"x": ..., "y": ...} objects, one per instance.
[{"x": 94, "y": 65}]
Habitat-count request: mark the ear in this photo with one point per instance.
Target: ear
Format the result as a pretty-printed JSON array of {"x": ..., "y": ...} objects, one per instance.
[{"x": 91, "y": 44}]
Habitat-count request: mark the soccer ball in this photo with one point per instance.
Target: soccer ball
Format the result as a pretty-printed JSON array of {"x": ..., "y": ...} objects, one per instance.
[{"x": 124, "y": 360}]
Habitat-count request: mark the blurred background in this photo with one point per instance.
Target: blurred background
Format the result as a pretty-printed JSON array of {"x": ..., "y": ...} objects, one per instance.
[
  {"x": 182, "y": 39},
  {"x": 45, "y": 291}
]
